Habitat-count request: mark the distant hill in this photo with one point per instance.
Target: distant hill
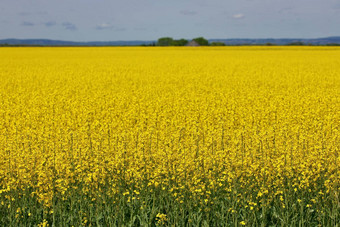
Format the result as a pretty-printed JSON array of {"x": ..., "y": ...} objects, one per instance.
[
  {"x": 47, "y": 42},
  {"x": 317, "y": 41}
]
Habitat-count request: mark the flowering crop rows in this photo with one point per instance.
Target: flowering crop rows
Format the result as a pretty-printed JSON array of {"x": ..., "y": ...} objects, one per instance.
[{"x": 170, "y": 136}]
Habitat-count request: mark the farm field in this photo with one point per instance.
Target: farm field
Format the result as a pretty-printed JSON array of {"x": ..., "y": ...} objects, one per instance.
[{"x": 150, "y": 136}]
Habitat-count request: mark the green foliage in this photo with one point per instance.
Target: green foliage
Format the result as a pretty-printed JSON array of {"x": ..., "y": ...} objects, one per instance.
[
  {"x": 165, "y": 41},
  {"x": 202, "y": 41},
  {"x": 170, "y": 205},
  {"x": 180, "y": 42},
  {"x": 149, "y": 45},
  {"x": 217, "y": 44},
  {"x": 299, "y": 43},
  {"x": 333, "y": 44},
  {"x": 168, "y": 41}
]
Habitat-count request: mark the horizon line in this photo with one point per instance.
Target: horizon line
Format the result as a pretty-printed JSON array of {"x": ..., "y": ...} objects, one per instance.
[{"x": 144, "y": 40}]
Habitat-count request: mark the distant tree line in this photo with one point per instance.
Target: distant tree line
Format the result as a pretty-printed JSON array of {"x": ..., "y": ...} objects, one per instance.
[
  {"x": 298, "y": 43},
  {"x": 168, "y": 41},
  {"x": 20, "y": 45}
]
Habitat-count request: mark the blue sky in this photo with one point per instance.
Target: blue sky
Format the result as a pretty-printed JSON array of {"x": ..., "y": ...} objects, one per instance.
[{"x": 103, "y": 20}]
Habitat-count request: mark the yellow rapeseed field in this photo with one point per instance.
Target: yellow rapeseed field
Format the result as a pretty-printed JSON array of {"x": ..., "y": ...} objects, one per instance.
[{"x": 170, "y": 136}]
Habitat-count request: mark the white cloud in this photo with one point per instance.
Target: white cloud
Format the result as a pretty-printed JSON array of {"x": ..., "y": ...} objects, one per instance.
[
  {"x": 188, "y": 12},
  {"x": 104, "y": 26},
  {"x": 238, "y": 16},
  {"x": 108, "y": 26}
]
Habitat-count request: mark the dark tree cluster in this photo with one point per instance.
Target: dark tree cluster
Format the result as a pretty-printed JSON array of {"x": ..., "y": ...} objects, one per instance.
[{"x": 168, "y": 41}]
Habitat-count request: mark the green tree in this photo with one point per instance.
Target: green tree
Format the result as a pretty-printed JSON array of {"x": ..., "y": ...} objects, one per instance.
[
  {"x": 180, "y": 42},
  {"x": 165, "y": 41},
  {"x": 217, "y": 44},
  {"x": 298, "y": 43},
  {"x": 201, "y": 41}
]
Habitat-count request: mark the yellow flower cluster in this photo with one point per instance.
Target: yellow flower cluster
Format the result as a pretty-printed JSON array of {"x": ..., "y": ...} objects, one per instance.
[{"x": 196, "y": 120}]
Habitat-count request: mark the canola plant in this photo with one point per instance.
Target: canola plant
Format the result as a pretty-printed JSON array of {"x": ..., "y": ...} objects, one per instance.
[{"x": 148, "y": 136}]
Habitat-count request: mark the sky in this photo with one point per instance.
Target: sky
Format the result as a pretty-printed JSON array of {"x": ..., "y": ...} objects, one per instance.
[{"x": 112, "y": 20}]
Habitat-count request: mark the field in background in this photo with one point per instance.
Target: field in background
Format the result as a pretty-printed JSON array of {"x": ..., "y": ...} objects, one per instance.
[{"x": 162, "y": 136}]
